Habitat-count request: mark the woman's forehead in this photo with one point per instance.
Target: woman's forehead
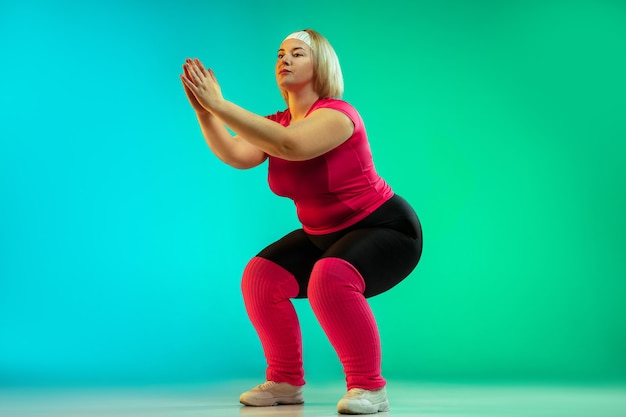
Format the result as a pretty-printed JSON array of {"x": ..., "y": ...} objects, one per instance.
[{"x": 290, "y": 44}]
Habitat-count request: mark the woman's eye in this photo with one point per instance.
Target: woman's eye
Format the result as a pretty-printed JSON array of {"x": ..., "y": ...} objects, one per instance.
[
  {"x": 297, "y": 54},
  {"x": 280, "y": 56}
]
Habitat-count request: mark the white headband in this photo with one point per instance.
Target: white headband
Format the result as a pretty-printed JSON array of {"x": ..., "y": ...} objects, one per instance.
[{"x": 301, "y": 36}]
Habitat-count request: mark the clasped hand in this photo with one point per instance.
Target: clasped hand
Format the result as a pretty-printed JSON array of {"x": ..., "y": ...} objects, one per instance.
[{"x": 201, "y": 86}]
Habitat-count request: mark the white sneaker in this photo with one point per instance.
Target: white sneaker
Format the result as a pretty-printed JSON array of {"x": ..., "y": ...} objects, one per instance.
[
  {"x": 270, "y": 393},
  {"x": 361, "y": 401}
]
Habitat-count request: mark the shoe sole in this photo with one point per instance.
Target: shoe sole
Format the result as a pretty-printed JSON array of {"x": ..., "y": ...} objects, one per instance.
[
  {"x": 277, "y": 401},
  {"x": 376, "y": 408}
]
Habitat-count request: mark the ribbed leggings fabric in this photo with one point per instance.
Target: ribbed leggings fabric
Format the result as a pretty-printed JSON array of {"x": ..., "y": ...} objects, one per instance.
[{"x": 337, "y": 273}]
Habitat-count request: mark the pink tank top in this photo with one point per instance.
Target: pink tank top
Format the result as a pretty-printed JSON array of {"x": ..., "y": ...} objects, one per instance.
[{"x": 334, "y": 190}]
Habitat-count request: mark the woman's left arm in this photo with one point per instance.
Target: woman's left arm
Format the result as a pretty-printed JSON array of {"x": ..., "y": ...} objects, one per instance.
[{"x": 321, "y": 131}]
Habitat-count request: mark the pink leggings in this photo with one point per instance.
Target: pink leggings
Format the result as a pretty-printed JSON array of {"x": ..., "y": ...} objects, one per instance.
[{"x": 335, "y": 292}]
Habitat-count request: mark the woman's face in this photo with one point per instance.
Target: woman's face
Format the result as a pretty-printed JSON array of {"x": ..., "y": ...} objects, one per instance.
[{"x": 294, "y": 66}]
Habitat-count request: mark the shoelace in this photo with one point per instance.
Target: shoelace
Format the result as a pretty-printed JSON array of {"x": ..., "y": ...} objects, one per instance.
[
  {"x": 354, "y": 392},
  {"x": 266, "y": 385}
]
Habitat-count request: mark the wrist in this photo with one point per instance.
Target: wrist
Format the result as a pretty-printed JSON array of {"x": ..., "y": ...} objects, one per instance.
[
  {"x": 218, "y": 106},
  {"x": 202, "y": 112}
]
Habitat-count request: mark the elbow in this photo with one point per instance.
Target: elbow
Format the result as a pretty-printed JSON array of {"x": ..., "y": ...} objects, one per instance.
[
  {"x": 245, "y": 163},
  {"x": 241, "y": 165},
  {"x": 289, "y": 150},
  {"x": 292, "y": 154},
  {"x": 283, "y": 151}
]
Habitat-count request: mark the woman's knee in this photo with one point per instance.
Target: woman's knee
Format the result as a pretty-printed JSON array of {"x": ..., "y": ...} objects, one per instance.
[
  {"x": 264, "y": 280},
  {"x": 333, "y": 275}
]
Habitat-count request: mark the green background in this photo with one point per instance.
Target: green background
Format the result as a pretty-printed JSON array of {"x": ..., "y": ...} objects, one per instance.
[{"x": 122, "y": 238}]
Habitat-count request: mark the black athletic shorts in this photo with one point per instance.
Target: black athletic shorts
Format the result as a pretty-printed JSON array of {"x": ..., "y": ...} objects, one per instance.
[{"x": 384, "y": 247}]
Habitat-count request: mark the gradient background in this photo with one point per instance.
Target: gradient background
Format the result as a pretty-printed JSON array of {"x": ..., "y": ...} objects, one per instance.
[{"x": 122, "y": 238}]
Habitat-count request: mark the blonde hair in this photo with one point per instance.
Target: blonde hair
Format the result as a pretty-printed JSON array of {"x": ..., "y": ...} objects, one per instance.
[{"x": 328, "y": 78}]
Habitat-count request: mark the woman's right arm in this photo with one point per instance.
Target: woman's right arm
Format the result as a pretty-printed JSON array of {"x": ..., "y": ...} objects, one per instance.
[{"x": 230, "y": 149}]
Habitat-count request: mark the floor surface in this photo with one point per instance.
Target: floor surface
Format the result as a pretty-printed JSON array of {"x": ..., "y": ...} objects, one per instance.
[{"x": 406, "y": 399}]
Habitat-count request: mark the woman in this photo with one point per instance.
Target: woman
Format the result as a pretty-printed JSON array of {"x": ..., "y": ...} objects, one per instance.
[{"x": 358, "y": 239}]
